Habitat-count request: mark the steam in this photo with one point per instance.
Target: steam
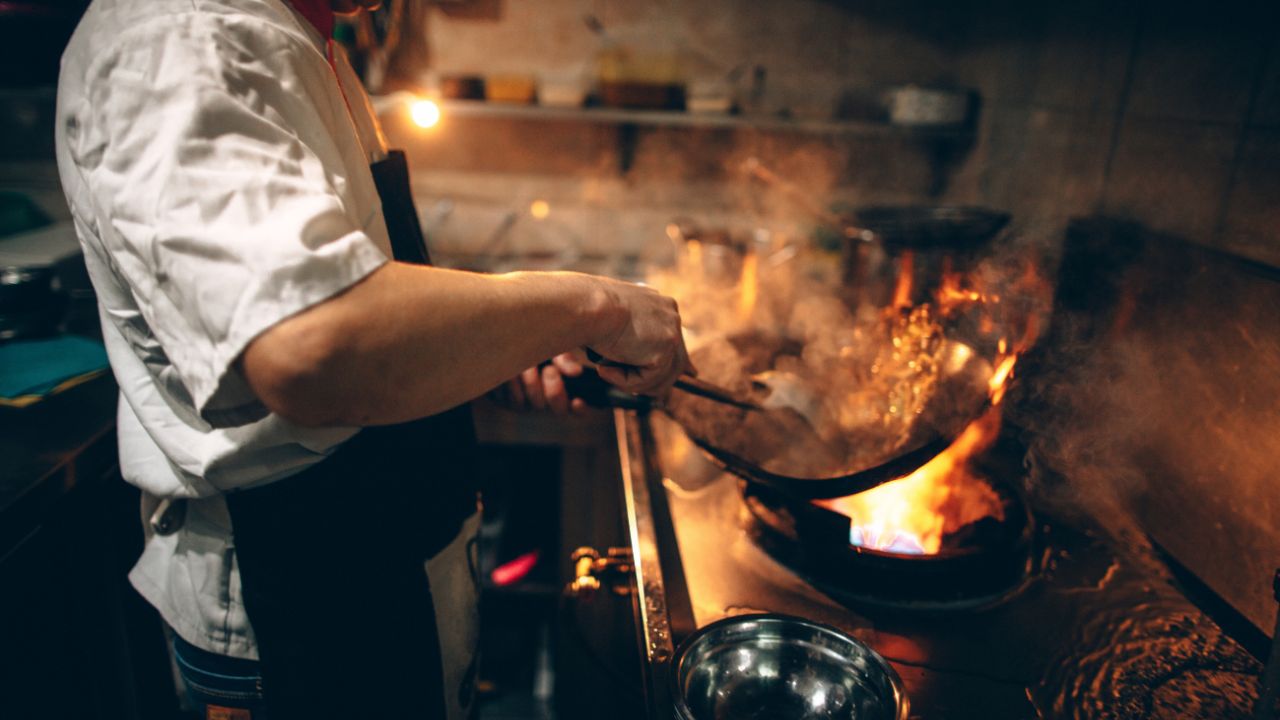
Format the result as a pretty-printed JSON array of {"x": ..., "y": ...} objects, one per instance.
[
  {"x": 872, "y": 381},
  {"x": 1080, "y": 432},
  {"x": 1150, "y": 412}
]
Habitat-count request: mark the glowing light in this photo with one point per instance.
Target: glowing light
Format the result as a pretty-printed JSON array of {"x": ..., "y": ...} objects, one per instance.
[
  {"x": 906, "y": 270},
  {"x": 876, "y": 535},
  {"x": 749, "y": 287},
  {"x": 425, "y": 113},
  {"x": 1000, "y": 378},
  {"x": 911, "y": 515},
  {"x": 539, "y": 209}
]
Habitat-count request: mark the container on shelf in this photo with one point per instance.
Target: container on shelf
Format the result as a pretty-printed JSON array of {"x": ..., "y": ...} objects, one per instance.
[
  {"x": 462, "y": 87},
  {"x": 914, "y": 106},
  {"x": 710, "y": 96},
  {"x": 510, "y": 88},
  {"x": 641, "y": 78},
  {"x": 562, "y": 90}
]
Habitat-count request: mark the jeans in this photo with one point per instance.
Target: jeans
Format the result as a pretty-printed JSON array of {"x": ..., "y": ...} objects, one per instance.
[{"x": 220, "y": 687}]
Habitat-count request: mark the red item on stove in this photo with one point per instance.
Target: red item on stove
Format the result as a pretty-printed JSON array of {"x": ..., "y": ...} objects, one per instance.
[{"x": 512, "y": 572}]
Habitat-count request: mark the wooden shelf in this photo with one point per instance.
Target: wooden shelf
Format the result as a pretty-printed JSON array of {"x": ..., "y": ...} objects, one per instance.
[{"x": 668, "y": 118}]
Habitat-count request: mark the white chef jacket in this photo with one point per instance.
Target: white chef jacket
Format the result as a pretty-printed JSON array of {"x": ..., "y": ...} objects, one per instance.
[{"x": 219, "y": 181}]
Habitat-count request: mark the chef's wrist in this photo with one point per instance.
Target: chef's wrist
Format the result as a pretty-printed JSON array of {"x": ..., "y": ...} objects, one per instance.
[{"x": 604, "y": 314}]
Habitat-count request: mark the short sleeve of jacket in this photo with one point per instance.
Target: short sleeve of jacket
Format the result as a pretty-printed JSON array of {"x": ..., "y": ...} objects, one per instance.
[{"x": 223, "y": 193}]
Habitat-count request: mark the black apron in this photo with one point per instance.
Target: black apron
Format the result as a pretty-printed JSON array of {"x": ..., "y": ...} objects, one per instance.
[{"x": 333, "y": 560}]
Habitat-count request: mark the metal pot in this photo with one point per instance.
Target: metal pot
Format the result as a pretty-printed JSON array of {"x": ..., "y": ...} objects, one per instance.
[
  {"x": 782, "y": 667},
  {"x": 919, "y": 243},
  {"x": 32, "y": 302}
]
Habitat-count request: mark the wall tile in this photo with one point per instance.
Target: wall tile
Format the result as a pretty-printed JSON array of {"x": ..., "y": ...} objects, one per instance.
[
  {"x": 1252, "y": 225},
  {"x": 1064, "y": 55},
  {"x": 1171, "y": 175},
  {"x": 1043, "y": 166},
  {"x": 1198, "y": 65},
  {"x": 1266, "y": 109}
]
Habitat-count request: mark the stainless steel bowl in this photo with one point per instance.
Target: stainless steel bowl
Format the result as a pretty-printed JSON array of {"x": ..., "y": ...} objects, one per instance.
[{"x": 782, "y": 668}]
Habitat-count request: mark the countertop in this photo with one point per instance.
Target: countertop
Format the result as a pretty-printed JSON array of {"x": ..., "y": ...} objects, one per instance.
[
  {"x": 1093, "y": 633},
  {"x": 51, "y": 447}
]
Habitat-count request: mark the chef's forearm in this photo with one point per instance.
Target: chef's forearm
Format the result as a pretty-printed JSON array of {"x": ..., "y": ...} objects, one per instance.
[{"x": 411, "y": 341}]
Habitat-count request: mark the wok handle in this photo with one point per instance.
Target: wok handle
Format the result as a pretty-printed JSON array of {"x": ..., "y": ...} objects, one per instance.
[
  {"x": 595, "y": 392},
  {"x": 601, "y": 360},
  {"x": 687, "y": 383}
]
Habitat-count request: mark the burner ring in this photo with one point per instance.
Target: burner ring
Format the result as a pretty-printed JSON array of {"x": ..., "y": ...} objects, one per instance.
[{"x": 813, "y": 541}]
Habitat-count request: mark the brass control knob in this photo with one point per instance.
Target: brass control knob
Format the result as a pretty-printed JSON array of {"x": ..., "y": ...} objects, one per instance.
[{"x": 591, "y": 571}]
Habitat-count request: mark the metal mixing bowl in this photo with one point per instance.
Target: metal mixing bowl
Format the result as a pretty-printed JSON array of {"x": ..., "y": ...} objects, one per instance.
[{"x": 782, "y": 668}]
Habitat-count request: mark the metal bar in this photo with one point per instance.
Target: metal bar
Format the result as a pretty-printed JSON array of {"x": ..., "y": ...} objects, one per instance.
[
  {"x": 680, "y": 618},
  {"x": 711, "y": 391},
  {"x": 656, "y": 645}
]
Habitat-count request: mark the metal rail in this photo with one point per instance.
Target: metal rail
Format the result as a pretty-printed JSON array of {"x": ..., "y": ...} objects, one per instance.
[{"x": 650, "y": 598}]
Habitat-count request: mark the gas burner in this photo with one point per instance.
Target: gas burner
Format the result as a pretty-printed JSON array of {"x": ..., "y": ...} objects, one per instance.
[{"x": 983, "y": 563}]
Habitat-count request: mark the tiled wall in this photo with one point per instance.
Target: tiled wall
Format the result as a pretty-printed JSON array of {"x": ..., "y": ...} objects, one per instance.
[{"x": 1164, "y": 114}]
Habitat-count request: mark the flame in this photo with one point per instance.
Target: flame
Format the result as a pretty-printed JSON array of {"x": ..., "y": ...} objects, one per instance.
[
  {"x": 902, "y": 290},
  {"x": 1000, "y": 379},
  {"x": 693, "y": 250},
  {"x": 952, "y": 295},
  {"x": 749, "y": 287},
  {"x": 911, "y": 515}
]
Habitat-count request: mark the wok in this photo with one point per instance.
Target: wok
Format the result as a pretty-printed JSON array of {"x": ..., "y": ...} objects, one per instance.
[
  {"x": 745, "y": 442},
  {"x": 926, "y": 226}
]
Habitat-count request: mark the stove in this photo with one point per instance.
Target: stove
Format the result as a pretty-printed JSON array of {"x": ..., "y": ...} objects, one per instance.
[{"x": 1050, "y": 622}]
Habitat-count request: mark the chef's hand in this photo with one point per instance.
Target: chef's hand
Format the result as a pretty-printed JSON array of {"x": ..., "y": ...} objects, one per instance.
[
  {"x": 650, "y": 343},
  {"x": 542, "y": 387}
]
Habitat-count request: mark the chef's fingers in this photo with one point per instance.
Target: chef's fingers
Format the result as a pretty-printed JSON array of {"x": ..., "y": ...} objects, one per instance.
[
  {"x": 577, "y": 406},
  {"x": 554, "y": 390},
  {"x": 686, "y": 363},
  {"x": 644, "y": 381},
  {"x": 625, "y": 378},
  {"x": 661, "y": 380},
  {"x": 532, "y": 380},
  {"x": 567, "y": 364}
]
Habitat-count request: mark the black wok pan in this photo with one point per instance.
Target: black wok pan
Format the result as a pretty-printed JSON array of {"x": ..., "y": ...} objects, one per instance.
[{"x": 964, "y": 389}]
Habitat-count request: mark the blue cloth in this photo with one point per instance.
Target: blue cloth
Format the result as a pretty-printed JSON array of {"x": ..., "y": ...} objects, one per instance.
[
  {"x": 32, "y": 369},
  {"x": 215, "y": 684}
]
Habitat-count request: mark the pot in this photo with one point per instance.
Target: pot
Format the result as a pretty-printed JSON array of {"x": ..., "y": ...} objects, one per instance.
[
  {"x": 917, "y": 241},
  {"x": 32, "y": 303},
  {"x": 782, "y": 667}
]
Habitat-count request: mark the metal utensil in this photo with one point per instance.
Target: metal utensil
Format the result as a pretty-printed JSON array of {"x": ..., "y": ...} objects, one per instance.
[
  {"x": 596, "y": 392},
  {"x": 687, "y": 383},
  {"x": 961, "y": 396},
  {"x": 966, "y": 378},
  {"x": 782, "y": 667}
]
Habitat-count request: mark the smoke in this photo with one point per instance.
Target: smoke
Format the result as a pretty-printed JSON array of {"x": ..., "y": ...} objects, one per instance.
[
  {"x": 1150, "y": 408},
  {"x": 1080, "y": 432},
  {"x": 771, "y": 314}
]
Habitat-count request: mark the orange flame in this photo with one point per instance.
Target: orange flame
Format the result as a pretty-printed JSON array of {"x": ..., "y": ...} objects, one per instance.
[
  {"x": 749, "y": 287},
  {"x": 913, "y": 514},
  {"x": 952, "y": 295},
  {"x": 921, "y": 508},
  {"x": 694, "y": 249},
  {"x": 902, "y": 291}
]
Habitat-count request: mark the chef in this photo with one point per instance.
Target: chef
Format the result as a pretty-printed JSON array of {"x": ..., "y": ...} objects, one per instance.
[{"x": 293, "y": 375}]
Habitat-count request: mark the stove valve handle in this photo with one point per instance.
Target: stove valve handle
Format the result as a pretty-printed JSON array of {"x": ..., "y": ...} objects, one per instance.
[{"x": 591, "y": 572}]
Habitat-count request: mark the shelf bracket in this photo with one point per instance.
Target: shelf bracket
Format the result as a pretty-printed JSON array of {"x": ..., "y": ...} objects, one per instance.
[{"x": 628, "y": 134}]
